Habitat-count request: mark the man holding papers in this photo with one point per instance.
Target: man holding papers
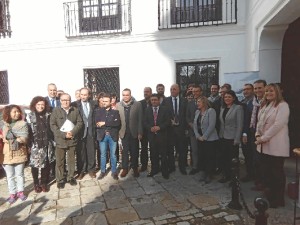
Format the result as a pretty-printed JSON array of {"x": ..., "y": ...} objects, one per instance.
[{"x": 65, "y": 123}]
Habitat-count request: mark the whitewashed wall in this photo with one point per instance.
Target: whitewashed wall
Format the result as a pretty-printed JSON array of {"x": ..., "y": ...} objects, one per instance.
[{"x": 38, "y": 52}]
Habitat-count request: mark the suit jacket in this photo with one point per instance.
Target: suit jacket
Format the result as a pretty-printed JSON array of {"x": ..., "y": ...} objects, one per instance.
[
  {"x": 135, "y": 119},
  {"x": 232, "y": 127},
  {"x": 207, "y": 125},
  {"x": 163, "y": 121},
  {"x": 57, "y": 102},
  {"x": 168, "y": 102},
  {"x": 273, "y": 129},
  {"x": 89, "y": 125},
  {"x": 248, "y": 107},
  {"x": 112, "y": 123},
  {"x": 58, "y": 118},
  {"x": 190, "y": 115}
]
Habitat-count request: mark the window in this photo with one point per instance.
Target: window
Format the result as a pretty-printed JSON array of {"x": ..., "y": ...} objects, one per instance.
[
  {"x": 102, "y": 80},
  {"x": 4, "y": 94},
  {"x": 4, "y": 19},
  {"x": 189, "y": 11},
  {"x": 98, "y": 15},
  {"x": 201, "y": 73}
]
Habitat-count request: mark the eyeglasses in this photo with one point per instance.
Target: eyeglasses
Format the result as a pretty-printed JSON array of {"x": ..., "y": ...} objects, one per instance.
[{"x": 65, "y": 100}]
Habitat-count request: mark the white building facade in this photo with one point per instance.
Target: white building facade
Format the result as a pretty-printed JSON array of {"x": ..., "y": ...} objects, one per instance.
[{"x": 132, "y": 44}]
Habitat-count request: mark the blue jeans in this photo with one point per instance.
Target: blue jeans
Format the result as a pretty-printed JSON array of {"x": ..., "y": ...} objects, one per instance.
[
  {"x": 108, "y": 141},
  {"x": 15, "y": 177}
]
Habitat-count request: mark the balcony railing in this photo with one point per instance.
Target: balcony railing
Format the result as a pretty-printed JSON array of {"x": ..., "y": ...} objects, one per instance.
[
  {"x": 97, "y": 17},
  {"x": 5, "y": 30},
  {"x": 195, "y": 13}
]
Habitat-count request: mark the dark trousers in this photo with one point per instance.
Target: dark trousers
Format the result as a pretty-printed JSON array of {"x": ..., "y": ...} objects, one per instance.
[
  {"x": 176, "y": 138},
  {"x": 257, "y": 170},
  {"x": 86, "y": 155},
  {"x": 249, "y": 155},
  {"x": 144, "y": 150},
  {"x": 275, "y": 180},
  {"x": 229, "y": 151},
  {"x": 44, "y": 174},
  {"x": 207, "y": 156},
  {"x": 158, "y": 150},
  {"x": 60, "y": 154},
  {"x": 130, "y": 146}
]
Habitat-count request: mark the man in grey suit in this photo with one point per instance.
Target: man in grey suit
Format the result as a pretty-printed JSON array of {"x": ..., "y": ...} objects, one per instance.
[{"x": 131, "y": 131}]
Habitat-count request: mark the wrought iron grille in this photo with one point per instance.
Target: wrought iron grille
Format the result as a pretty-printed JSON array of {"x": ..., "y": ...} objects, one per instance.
[
  {"x": 195, "y": 13},
  {"x": 200, "y": 73},
  {"x": 5, "y": 29},
  {"x": 97, "y": 17},
  {"x": 102, "y": 80},
  {"x": 4, "y": 93}
]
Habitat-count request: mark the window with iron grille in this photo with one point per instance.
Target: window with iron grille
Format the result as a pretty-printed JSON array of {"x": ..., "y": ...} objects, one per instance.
[
  {"x": 188, "y": 11},
  {"x": 196, "y": 13},
  {"x": 97, "y": 15},
  {"x": 5, "y": 30},
  {"x": 199, "y": 73},
  {"x": 102, "y": 80},
  {"x": 4, "y": 94}
]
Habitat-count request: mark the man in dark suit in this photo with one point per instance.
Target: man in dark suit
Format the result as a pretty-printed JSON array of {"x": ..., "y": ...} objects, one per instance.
[
  {"x": 190, "y": 115},
  {"x": 108, "y": 123},
  {"x": 86, "y": 149},
  {"x": 144, "y": 141},
  {"x": 54, "y": 102},
  {"x": 248, "y": 92},
  {"x": 52, "y": 98},
  {"x": 157, "y": 120},
  {"x": 177, "y": 140}
]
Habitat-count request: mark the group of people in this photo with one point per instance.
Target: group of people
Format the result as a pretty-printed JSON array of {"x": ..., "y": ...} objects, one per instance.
[{"x": 63, "y": 136}]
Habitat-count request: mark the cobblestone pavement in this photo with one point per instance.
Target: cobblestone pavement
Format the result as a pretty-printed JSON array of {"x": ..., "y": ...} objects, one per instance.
[{"x": 180, "y": 200}]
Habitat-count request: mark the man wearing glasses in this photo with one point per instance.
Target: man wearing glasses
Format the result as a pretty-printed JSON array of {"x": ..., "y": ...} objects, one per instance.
[{"x": 65, "y": 123}]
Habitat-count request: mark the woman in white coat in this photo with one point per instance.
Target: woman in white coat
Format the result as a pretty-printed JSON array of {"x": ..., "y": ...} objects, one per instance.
[{"x": 273, "y": 143}]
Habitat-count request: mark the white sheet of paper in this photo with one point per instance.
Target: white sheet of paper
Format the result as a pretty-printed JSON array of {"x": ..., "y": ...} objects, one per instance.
[{"x": 67, "y": 126}]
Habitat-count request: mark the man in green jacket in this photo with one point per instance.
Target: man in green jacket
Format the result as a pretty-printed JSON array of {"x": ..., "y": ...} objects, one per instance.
[{"x": 66, "y": 124}]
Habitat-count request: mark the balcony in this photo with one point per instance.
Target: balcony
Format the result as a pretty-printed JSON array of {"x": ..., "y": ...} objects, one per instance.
[
  {"x": 195, "y": 13},
  {"x": 97, "y": 17},
  {"x": 5, "y": 30}
]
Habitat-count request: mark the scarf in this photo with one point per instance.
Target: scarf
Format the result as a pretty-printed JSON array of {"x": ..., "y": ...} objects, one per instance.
[
  {"x": 256, "y": 105},
  {"x": 128, "y": 104},
  {"x": 14, "y": 131}
]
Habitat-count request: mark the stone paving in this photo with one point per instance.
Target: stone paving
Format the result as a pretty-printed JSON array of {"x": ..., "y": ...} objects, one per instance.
[{"x": 180, "y": 200}]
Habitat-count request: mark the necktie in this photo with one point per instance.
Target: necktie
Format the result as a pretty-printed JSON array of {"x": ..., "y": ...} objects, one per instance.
[
  {"x": 155, "y": 115},
  {"x": 175, "y": 111},
  {"x": 85, "y": 109},
  {"x": 52, "y": 103}
]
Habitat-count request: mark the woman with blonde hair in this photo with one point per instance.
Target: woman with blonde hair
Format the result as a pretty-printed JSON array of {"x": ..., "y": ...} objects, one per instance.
[
  {"x": 206, "y": 134},
  {"x": 273, "y": 143},
  {"x": 15, "y": 134}
]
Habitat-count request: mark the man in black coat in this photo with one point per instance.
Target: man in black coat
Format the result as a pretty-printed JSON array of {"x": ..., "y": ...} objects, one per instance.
[
  {"x": 177, "y": 139},
  {"x": 157, "y": 120}
]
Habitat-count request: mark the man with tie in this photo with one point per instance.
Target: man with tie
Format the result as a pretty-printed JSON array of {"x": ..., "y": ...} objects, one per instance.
[
  {"x": 86, "y": 149},
  {"x": 177, "y": 140},
  {"x": 157, "y": 120},
  {"x": 190, "y": 115},
  {"x": 52, "y": 98}
]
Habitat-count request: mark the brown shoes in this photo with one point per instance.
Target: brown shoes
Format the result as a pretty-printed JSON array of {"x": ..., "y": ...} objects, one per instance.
[
  {"x": 136, "y": 172},
  {"x": 124, "y": 173},
  {"x": 92, "y": 174},
  {"x": 45, "y": 188},
  {"x": 80, "y": 176}
]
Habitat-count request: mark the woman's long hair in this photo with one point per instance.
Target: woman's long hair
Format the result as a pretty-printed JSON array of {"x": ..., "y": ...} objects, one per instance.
[
  {"x": 6, "y": 113},
  {"x": 278, "y": 95}
]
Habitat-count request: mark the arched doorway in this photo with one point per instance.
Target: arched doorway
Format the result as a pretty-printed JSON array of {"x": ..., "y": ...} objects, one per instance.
[{"x": 290, "y": 78}]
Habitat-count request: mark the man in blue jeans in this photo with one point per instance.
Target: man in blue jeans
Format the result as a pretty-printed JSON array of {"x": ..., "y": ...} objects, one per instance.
[{"x": 107, "y": 124}]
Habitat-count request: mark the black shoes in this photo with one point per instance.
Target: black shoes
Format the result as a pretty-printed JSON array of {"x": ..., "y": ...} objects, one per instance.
[
  {"x": 72, "y": 182},
  {"x": 193, "y": 171},
  {"x": 61, "y": 185},
  {"x": 101, "y": 176},
  {"x": 115, "y": 176},
  {"x": 152, "y": 173}
]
